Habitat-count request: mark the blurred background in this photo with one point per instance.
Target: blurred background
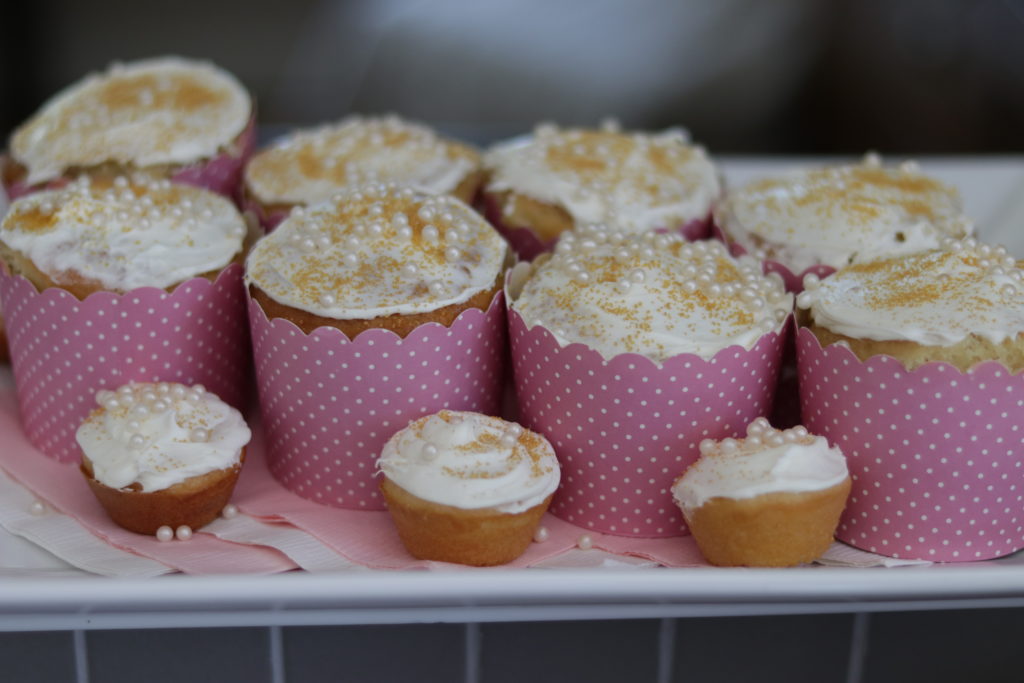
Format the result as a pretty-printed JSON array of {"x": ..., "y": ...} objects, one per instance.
[{"x": 792, "y": 76}]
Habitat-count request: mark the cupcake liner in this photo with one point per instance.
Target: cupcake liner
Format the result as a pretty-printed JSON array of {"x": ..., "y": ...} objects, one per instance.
[
  {"x": 624, "y": 429},
  {"x": 268, "y": 220},
  {"x": 64, "y": 350},
  {"x": 936, "y": 455},
  {"x": 329, "y": 403},
  {"x": 794, "y": 281}
]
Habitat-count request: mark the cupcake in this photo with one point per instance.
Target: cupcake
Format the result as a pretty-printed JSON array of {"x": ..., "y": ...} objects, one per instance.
[
  {"x": 772, "y": 499},
  {"x": 110, "y": 280},
  {"x": 467, "y": 488},
  {"x": 542, "y": 185},
  {"x": 163, "y": 454},
  {"x": 310, "y": 166},
  {"x": 825, "y": 218},
  {"x": 167, "y": 117},
  {"x": 369, "y": 311},
  {"x": 627, "y": 352},
  {"x": 912, "y": 365}
]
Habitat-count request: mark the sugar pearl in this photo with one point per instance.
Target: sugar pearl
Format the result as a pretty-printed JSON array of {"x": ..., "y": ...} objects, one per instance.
[
  {"x": 541, "y": 534},
  {"x": 37, "y": 508},
  {"x": 230, "y": 511},
  {"x": 585, "y": 542},
  {"x": 183, "y": 532},
  {"x": 164, "y": 534},
  {"x": 199, "y": 434}
]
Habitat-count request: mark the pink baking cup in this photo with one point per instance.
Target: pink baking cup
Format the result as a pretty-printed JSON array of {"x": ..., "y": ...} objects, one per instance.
[
  {"x": 329, "y": 403},
  {"x": 64, "y": 350},
  {"x": 624, "y": 429},
  {"x": 268, "y": 220},
  {"x": 794, "y": 281},
  {"x": 936, "y": 455},
  {"x": 527, "y": 245}
]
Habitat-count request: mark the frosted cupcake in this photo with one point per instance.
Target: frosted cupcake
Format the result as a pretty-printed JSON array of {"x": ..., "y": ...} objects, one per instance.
[
  {"x": 168, "y": 117},
  {"x": 772, "y": 499},
  {"x": 467, "y": 488},
  {"x": 542, "y": 185},
  {"x": 628, "y": 351},
  {"x": 162, "y": 455},
  {"x": 825, "y": 218},
  {"x": 310, "y": 166}
]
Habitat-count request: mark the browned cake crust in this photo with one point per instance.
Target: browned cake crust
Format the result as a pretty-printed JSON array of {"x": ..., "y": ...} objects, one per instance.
[
  {"x": 547, "y": 221},
  {"x": 770, "y": 530},
  {"x": 194, "y": 502},
  {"x": 431, "y": 531}
]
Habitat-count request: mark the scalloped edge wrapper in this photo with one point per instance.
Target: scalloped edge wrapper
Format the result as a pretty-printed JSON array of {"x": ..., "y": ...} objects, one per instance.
[
  {"x": 64, "y": 350},
  {"x": 329, "y": 404},
  {"x": 625, "y": 429},
  {"x": 936, "y": 455}
]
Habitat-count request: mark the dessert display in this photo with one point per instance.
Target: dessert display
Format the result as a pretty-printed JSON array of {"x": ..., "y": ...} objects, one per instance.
[
  {"x": 772, "y": 499},
  {"x": 467, "y": 488},
  {"x": 162, "y": 455},
  {"x": 825, "y": 218},
  {"x": 166, "y": 117},
  {"x": 542, "y": 185},
  {"x": 312, "y": 165}
]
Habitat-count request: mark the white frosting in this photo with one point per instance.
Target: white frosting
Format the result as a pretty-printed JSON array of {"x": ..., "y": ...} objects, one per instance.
[
  {"x": 377, "y": 251},
  {"x": 767, "y": 461},
  {"x": 936, "y": 298},
  {"x": 159, "y": 435},
  {"x": 125, "y": 233},
  {"x": 310, "y": 166},
  {"x": 655, "y": 295},
  {"x": 841, "y": 214},
  {"x": 471, "y": 461},
  {"x": 157, "y": 111},
  {"x": 639, "y": 181}
]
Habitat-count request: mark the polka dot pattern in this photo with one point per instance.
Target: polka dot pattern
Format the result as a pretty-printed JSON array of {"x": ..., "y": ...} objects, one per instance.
[
  {"x": 64, "y": 350},
  {"x": 624, "y": 429},
  {"x": 329, "y": 404},
  {"x": 936, "y": 455}
]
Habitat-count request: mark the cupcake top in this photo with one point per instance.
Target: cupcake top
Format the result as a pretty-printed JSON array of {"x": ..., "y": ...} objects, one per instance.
[
  {"x": 639, "y": 181},
  {"x": 124, "y": 233},
  {"x": 166, "y": 110},
  {"x": 310, "y": 166},
  {"x": 377, "y": 250},
  {"x": 937, "y": 298},
  {"x": 655, "y": 295},
  {"x": 840, "y": 214},
  {"x": 159, "y": 435},
  {"x": 767, "y": 461},
  {"x": 471, "y": 461}
]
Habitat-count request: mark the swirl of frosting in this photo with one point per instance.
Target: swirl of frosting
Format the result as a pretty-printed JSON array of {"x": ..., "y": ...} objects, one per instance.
[
  {"x": 639, "y": 181},
  {"x": 651, "y": 294},
  {"x": 767, "y": 461},
  {"x": 124, "y": 233},
  {"x": 310, "y": 166},
  {"x": 377, "y": 250},
  {"x": 166, "y": 110},
  {"x": 159, "y": 435},
  {"x": 936, "y": 298},
  {"x": 841, "y": 214},
  {"x": 471, "y": 461}
]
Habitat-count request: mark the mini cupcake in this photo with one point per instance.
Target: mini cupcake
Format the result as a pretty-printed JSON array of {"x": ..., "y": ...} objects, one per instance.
[
  {"x": 162, "y": 455},
  {"x": 369, "y": 311},
  {"x": 310, "y": 166},
  {"x": 772, "y": 499},
  {"x": 167, "y": 117},
  {"x": 627, "y": 352},
  {"x": 821, "y": 219},
  {"x": 542, "y": 185},
  {"x": 115, "y": 280},
  {"x": 467, "y": 488},
  {"x": 913, "y": 366}
]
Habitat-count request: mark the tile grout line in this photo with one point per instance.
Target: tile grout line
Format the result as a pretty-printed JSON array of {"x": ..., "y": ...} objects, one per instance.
[
  {"x": 472, "y": 653},
  {"x": 858, "y": 647},
  {"x": 81, "y": 657},
  {"x": 276, "y": 655},
  {"x": 666, "y": 650}
]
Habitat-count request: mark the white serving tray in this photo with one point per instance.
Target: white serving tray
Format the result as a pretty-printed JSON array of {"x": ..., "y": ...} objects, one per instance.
[{"x": 39, "y": 592}]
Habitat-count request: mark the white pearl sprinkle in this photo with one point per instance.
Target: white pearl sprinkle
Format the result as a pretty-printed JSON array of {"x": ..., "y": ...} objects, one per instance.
[
  {"x": 541, "y": 534},
  {"x": 230, "y": 511},
  {"x": 585, "y": 542},
  {"x": 37, "y": 508},
  {"x": 430, "y": 452},
  {"x": 183, "y": 532},
  {"x": 137, "y": 441},
  {"x": 164, "y": 534},
  {"x": 199, "y": 434},
  {"x": 327, "y": 299}
]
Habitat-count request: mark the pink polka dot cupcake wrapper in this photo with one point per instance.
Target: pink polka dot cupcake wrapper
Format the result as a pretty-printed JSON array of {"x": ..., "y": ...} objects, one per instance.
[
  {"x": 624, "y": 429},
  {"x": 794, "y": 281},
  {"x": 329, "y": 403},
  {"x": 64, "y": 350},
  {"x": 936, "y": 455}
]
